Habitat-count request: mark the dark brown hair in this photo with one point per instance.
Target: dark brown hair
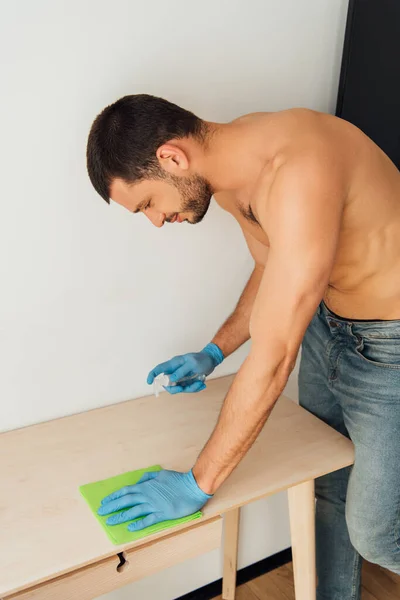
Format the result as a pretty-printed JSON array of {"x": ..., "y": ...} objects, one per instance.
[{"x": 125, "y": 136}]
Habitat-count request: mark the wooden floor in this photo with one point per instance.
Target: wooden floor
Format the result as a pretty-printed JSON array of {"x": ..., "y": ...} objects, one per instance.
[{"x": 377, "y": 584}]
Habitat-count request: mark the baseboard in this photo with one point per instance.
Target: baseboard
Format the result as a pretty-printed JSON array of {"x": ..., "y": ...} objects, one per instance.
[{"x": 243, "y": 576}]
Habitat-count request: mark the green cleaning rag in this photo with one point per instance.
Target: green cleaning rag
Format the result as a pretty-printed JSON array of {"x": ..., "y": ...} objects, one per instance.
[{"x": 119, "y": 534}]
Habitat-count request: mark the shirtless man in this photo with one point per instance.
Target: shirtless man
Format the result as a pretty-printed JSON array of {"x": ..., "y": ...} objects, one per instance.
[{"x": 319, "y": 206}]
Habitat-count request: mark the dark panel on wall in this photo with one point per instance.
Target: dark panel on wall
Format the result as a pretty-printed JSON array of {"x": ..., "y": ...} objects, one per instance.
[{"x": 369, "y": 88}]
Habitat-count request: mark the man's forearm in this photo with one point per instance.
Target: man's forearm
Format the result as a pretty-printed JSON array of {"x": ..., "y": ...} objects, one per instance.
[
  {"x": 235, "y": 331},
  {"x": 245, "y": 410}
]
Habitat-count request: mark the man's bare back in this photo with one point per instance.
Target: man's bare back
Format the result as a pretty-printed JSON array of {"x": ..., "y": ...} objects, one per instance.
[{"x": 365, "y": 279}]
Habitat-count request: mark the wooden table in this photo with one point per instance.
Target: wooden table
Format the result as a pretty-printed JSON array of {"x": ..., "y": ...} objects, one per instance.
[{"x": 52, "y": 547}]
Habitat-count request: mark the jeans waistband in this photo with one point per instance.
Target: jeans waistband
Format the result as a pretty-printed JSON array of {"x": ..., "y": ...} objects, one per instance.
[{"x": 377, "y": 328}]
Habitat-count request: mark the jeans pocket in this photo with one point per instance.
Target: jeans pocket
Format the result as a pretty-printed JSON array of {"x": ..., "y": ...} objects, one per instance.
[{"x": 379, "y": 351}]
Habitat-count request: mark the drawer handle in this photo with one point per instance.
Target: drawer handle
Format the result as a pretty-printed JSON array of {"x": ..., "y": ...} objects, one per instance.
[{"x": 123, "y": 562}]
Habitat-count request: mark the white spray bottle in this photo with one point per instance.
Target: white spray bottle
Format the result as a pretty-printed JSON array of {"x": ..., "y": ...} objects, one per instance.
[{"x": 162, "y": 380}]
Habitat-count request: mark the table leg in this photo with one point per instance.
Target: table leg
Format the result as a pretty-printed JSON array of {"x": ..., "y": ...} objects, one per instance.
[
  {"x": 231, "y": 539},
  {"x": 302, "y": 528}
]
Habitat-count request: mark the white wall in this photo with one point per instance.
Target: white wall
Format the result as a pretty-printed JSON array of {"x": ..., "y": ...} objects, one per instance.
[{"x": 91, "y": 296}]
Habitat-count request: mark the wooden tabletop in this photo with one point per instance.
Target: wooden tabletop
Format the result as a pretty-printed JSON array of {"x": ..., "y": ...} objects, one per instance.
[{"x": 46, "y": 527}]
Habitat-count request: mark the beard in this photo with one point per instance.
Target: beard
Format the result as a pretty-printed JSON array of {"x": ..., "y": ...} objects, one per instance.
[{"x": 195, "y": 194}]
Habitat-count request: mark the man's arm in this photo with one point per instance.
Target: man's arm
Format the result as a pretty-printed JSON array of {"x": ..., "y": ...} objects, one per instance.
[
  {"x": 235, "y": 331},
  {"x": 302, "y": 215}
]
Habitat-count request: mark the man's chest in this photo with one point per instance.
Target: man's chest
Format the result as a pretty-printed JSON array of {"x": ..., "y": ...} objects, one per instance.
[{"x": 242, "y": 208}]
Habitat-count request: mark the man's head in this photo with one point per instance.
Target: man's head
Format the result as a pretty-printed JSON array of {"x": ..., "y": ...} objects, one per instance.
[{"x": 134, "y": 158}]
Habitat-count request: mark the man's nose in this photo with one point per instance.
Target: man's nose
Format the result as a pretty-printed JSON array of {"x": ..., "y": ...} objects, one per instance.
[{"x": 155, "y": 217}]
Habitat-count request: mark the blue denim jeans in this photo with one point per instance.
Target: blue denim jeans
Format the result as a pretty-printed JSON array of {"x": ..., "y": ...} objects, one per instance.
[{"x": 350, "y": 379}]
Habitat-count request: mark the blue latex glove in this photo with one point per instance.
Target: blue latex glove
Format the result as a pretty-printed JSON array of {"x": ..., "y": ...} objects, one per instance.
[
  {"x": 158, "y": 496},
  {"x": 186, "y": 365}
]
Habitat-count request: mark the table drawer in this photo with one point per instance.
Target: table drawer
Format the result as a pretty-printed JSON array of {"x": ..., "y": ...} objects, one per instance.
[{"x": 99, "y": 578}]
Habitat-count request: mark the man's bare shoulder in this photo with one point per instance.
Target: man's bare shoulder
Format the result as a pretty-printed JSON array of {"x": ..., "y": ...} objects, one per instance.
[
  {"x": 311, "y": 169},
  {"x": 290, "y": 116},
  {"x": 296, "y": 133}
]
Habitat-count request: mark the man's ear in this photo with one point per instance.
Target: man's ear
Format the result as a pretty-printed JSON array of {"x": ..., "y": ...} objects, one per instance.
[{"x": 172, "y": 159}]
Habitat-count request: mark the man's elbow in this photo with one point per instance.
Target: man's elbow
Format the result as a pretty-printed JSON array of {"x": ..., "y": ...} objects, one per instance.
[
  {"x": 284, "y": 368},
  {"x": 274, "y": 364}
]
